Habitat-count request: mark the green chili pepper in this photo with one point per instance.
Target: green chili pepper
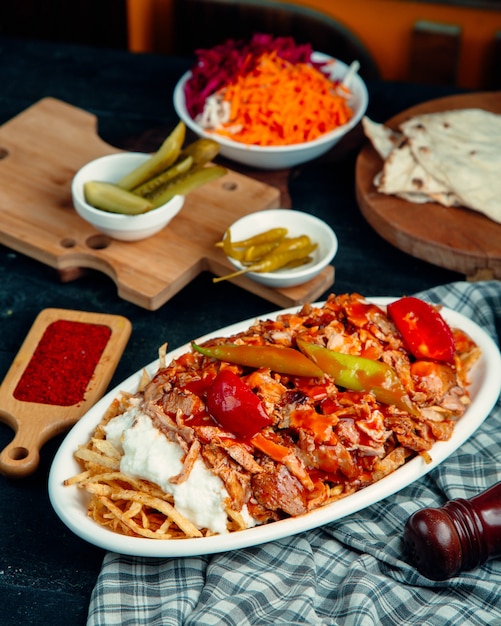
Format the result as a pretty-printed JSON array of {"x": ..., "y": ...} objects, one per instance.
[
  {"x": 298, "y": 262},
  {"x": 287, "y": 252},
  {"x": 253, "y": 248},
  {"x": 273, "y": 235},
  {"x": 360, "y": 374},
  {"x": 256, "y": 252},
  {"x": 229, "y": 248},
  {"x": 279, "y": 359},
  {"x": 293, "y": 243}
]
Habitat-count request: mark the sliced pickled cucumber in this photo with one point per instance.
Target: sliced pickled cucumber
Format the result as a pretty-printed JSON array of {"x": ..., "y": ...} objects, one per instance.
[
  {"x": 185, "y": 183},
  {"x": 202, "y": 151},
  {"x": 109, "y": 197},
  {"x": 163, "y": 158},
  {"x": 180, "y": 167}
]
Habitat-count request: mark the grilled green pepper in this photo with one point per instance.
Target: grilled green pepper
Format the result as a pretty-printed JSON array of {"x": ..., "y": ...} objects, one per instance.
[
  {"x": 360, "y": 374},
  {"x": 279, "y": 359}
]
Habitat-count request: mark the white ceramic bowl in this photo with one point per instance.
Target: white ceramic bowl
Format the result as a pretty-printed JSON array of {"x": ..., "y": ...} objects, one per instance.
[
  {"x": 281, "y": 157},
  {"x": 110, "y": 169},
  {"x": 297, "y": 223}
]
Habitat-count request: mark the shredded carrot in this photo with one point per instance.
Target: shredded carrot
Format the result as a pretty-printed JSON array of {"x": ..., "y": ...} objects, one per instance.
[{"x": 282, "y": 103}]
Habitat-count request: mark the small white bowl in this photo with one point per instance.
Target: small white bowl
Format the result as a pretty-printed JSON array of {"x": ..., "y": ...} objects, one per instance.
[
  {"x": 281, "y": 157},
  {"x": 297, "y": 223},
  {"x": 111, "y": 169}
]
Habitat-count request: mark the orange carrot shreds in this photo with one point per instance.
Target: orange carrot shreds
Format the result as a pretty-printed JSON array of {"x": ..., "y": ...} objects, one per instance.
[{"x": 282, "y": 103}]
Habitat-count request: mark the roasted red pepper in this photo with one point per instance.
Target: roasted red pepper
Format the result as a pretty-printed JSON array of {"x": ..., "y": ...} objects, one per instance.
[
  {"x": 279, "y": 359},
  {"x": 235, "y": 407},
  {"x": 360, "y": 374},
  {"x": 423, "y": 329}
]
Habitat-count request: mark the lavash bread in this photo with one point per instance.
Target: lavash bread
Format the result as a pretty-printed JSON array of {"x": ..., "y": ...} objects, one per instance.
[
  {"x": 382, "y": 137},
  {"x": 452, "y": 157}
]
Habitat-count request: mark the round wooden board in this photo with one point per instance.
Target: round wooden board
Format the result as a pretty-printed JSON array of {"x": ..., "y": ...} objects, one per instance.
[{"x": 455, "y": 238}]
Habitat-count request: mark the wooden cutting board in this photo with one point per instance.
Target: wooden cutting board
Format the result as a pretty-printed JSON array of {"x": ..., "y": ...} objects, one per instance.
[
  {"x": 455, "y": 238},
  {"x": 40, "y": 151}
]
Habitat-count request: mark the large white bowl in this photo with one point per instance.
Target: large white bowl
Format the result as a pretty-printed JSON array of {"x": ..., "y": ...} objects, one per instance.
[
  {"x": 111, "y": 169},
  {"x": 297, "y": 223},
  {"x": 281, "y": 157}
]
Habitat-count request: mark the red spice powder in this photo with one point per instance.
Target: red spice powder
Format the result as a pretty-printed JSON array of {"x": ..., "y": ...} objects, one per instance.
[{"x": 63, "y": 363}]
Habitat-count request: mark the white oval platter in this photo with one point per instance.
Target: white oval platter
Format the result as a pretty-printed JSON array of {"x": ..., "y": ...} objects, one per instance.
[{"x": 70, "y": 502}]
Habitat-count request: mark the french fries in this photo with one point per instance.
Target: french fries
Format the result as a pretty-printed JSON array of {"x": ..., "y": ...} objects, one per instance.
[{"x": 126, "y": 505}]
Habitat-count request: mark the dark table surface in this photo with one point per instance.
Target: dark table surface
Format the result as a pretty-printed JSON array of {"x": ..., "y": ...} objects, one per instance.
[{"x": 46, "y": 573}]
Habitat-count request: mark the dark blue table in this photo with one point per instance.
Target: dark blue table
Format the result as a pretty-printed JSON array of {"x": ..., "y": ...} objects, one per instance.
[{"x": 46, "y": 573}]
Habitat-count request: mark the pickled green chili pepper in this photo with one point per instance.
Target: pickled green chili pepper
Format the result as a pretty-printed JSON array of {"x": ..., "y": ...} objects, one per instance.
[
  {"x": 273, "y": 235},
  {"x": 239, "y": 249},
  {"x": 298, "y": 262},
  {"x": 273, "y": 261},
  {"x": 279, "y": 359},
  {"x": 229, "y": 248},
  {"x": 256, "y": 252},
  {"x": 293, "y": 243},
  {"x": 288, "y": 251},
  {"x": 360, "y": 374}
]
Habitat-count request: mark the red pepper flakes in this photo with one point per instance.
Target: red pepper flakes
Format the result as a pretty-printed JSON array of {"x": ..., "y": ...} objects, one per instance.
[{"x": 63, "y": 363}]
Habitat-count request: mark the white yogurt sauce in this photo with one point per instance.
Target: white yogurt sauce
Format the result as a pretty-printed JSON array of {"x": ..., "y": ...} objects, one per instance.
[{"x": 149, "y": 455}]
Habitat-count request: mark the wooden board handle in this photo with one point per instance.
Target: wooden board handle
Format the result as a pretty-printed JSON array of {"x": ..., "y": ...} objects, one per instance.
[{"x": 21, "y": 456}]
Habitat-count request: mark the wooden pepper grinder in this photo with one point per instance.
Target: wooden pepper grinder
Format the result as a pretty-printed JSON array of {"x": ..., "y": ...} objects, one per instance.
[{"x": 456, "y": 537}]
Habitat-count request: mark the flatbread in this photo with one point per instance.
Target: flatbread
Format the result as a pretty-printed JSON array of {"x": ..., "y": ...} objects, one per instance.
[
  {"x": 383, "y": 138},
  {"x": 402, "y": 175},
  {"x": 452, "y": 158},
  {"x": 463, "y": 150}
]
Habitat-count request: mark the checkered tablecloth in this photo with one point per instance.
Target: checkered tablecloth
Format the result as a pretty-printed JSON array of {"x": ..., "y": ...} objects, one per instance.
[{"x": 354, "y": 572}]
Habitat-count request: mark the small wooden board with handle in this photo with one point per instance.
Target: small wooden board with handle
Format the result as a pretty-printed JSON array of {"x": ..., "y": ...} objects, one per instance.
[{"x": 35, "y": 423}]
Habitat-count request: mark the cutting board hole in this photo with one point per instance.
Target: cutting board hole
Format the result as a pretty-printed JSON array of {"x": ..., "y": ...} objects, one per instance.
[
  {"x": 98, "y": 242},
  {"x": 68, "y": 243},
  {"x": 3, "y": 153},
  {"x": 230, "y": 186},
  {"x": 18, "y": 453}
]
